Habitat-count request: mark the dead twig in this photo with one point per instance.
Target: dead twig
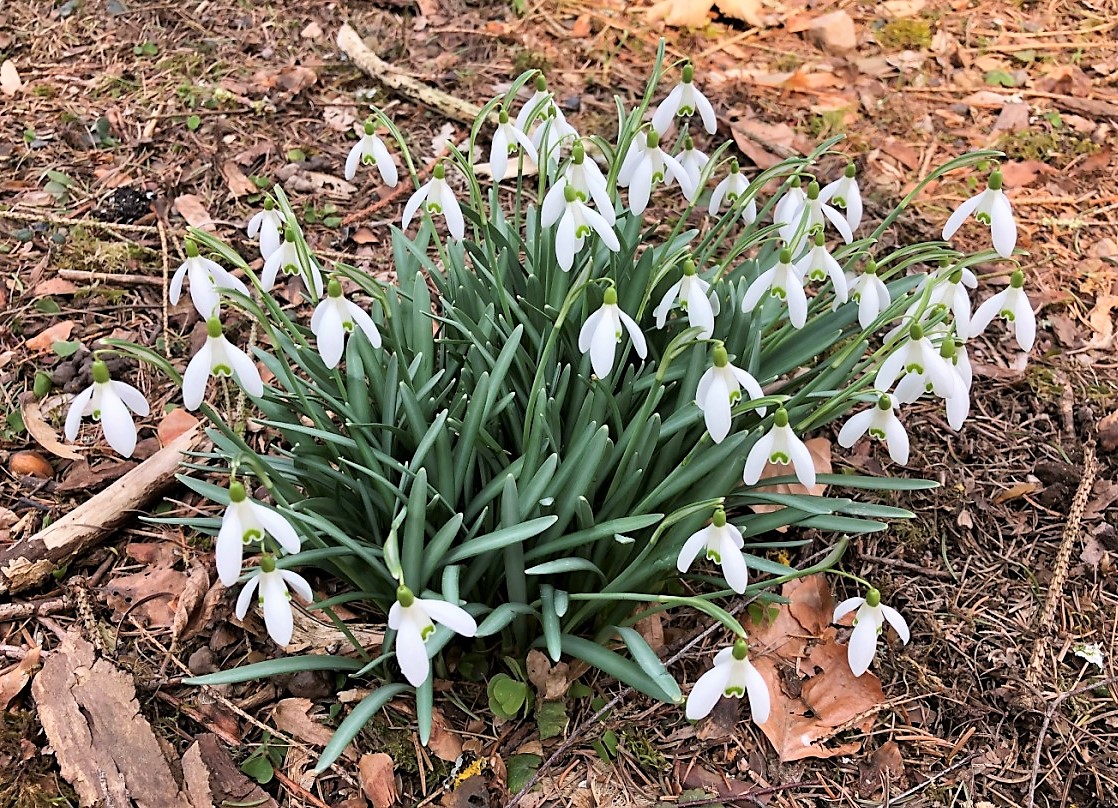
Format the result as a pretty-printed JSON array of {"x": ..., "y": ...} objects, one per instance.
[{"x": 21, "y": 611}]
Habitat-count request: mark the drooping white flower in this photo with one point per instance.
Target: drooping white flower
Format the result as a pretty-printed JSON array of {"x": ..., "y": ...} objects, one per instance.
[
  {"x": 729, "y": 190},
  {"x": 789, "y": 207},
  {"x": 414, "y": 620},
  {"x": 550, "y": 136},
  {"x": 536, "y": 107},
  {"x": 913, "y": 385},
  {"x": 206, "y": 277},
  {"x": 812, "y": 214},
  {"x": 693, "y": 162},
  {"x": 870, "y": 293},
  {"x": 286, "y": 259},
  {"x": 267, "y": 226},
  {"x": 783, "y": 281},
  {"x": 817, "y": 264},
  {"x": 437, "y": 197},
  {"x": 844, "y": 193},
  {"x": 583, "y": 174},
  {"x": 602, "y": 331},
  {"x": 684, "y": 99},
  {"x": 371, "y": 151},
  {"x": 694, "y": 297},
  {"x": 507, "y": 140},
  {"x": 1013, "y": 305},
  {"x": 917, "y": 355},
  {"x": 991, "y": 207},
  {"x": 577, "y": 220},
  {"x": 246, "y": 521},
  {"x": 719, "y": 389},
  {"x": 951, "y": 293},
  {"x": 218, "y": 357},
  {"x": 646, "y": 165},
  {"x": 882, "y": 423},
  {"x": 108, "y": 402},
  {"x": 273, "y": 597},
  {"x": 781, "y": 446},
  {"x": 722, "y": 543},
  {"x": 870, "y": 618},
  {"x": 334, "y": 318},
  {"x": 733, "y": 676}
]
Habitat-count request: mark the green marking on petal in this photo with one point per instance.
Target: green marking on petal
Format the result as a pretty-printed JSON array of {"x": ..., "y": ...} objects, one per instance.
[
  {"x": 733, "y": 691},
  {"x": 714, "y": 555},
  {"x": 780, "y": 458},
  {"x": 222, "y": 370},
  {"x": 983, "y": 217},
  {"x": 877, "y": 433},
  {"x": 426, "y": 632}
]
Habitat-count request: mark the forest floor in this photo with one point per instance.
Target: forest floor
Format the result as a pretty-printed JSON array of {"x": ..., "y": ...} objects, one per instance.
[{"x": 121, "y": 121}]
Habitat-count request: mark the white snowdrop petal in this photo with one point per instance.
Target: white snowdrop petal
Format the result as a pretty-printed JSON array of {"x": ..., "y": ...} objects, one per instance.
[
  {"x": 707, "y": 692},
  {"x": 450, "y": 615},
  {"x": 411, "y": 653},
  {"x": 298, "y": 585},
  {"x": 758, "y": 458},
  {"x": 635, "y": 334},
  {"x": 330, "y": 336},
  {"x": 244, "y": 599},
  {"x": 229, "y": 547},
  {"x": 196, "y": 377},
  {"x": 855, "y": 428},
  {"x": 245, "y": 371},
  {"x": 846, "y": 607},
  {"x": 897, "y": 621},
  {"x": 277, "y": 608},
  {"x": 276, "y": 526},
  {"x": 353, "y": 159},
  {"x": 414, "y": 203},
  {"x": 1003, "y": 228},
  {"x": 960, "y": 215},
  {"x": 897, "y": 439},
  {"x": 760, "y": 704},
  {"x": 863, "y": 646},
  {"x": 734, "y": 568},
  {"x": 692, "y": 547},
  {"x": 76, "y": 411},
  {"x": 116, "y": 422}
]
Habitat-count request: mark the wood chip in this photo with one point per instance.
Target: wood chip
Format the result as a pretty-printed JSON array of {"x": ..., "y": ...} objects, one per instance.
[
  {"x": 378, "y": 780},
  {"x": 104, "y": 746},
  {"x": 211, "y": 778},
  {"x": 10, "y": 82},
  {"x": 13, "y": 681}
]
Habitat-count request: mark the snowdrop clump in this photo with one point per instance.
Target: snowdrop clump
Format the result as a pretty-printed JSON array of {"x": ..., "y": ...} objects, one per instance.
[{"x": 558, "y": 407}]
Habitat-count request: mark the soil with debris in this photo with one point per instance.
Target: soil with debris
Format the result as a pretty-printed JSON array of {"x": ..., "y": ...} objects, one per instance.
[{"x": 124, "y": 121}]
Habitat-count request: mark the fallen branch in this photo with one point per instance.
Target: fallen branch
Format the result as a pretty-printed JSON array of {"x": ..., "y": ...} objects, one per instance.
[
  {"x": 400, "y": 82},
  {"x": 29, "y": 562}
]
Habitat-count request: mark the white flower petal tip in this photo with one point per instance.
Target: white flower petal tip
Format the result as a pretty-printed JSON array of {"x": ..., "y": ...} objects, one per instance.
[
  {"x": 781, "y": 446},
  {"x": 603, "y": 330},
  {"x": 414, "y": 620},
  {"x": 732, "y": 676},
  {"x": 336, "y": 318},
  {"x": 869, "y": 619},
  {"x": 992, "y": 208},
  {"x": 112, "y": 403},
  {"x": 1013, "y": 305}
]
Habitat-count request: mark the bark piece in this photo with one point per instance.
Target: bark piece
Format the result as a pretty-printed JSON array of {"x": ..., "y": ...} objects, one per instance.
[
  {"x": 105, "y": 748},
  {"x": 212, "y": 778},
  {"x": 28, "y": 563}
]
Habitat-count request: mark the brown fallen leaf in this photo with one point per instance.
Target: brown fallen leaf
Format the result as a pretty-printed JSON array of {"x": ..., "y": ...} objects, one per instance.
[
  {"x": 41, "y": 431},
  {"x": 54, "y": 286},
  {"x": 293, "y": 717},
  {"x": 30, "y": 464},
  {"x": 45, "y": 339},
  {"x": 175, "y": 423},
  {"x": 1017, "y": 490},
  {"x": 884, "y": 768},
  {"x": 189, "y": 606},
  {"x": 149, "y": 596},
  {"x": 10, "y": 82},
  {"x": 13, "y": 680},
  {"x": 682, "y": 13},
  {"x": 1108, "y": 432},
  {"x": 191, "y": 208},
  {"x": 103, "y": 744},
  {"x": 378, "y": 780},
  {"x": 550, "y": 681},
  {"x": 820, "y": 449},
  {"x": 80, "y": 476},
  {"x": 211, "y": 778},
  {"x": 239, "y": 185},
  {"x": 445, "y": 743}
]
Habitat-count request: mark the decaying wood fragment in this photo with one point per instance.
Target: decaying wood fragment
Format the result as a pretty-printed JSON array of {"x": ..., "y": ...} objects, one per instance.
[
  {"x": 212, "y": 779},
  {"x": 104, "y": 746},
  {"x": 29, "y": 562}
]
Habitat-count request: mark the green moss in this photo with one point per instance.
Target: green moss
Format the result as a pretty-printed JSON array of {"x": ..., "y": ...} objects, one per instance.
[
  {"x": 528, "y": 59},
  {"x": 1042, "y": 381},
  {"x": 905, "y": 34},
  {"x": 826, "y": 124},
  {"x": 34, "y": 783},
  {"x": 1049, "y": 146},
  {"x": 84, "y": 251},
  {"x": 638, "y": 744},
  {"x": 786, "y": 62}
]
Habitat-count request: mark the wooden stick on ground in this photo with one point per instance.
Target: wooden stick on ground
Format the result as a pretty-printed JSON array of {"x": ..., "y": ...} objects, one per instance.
[
  {"x": 30, "y": 562},
  {"x": 395, "y": 79}
]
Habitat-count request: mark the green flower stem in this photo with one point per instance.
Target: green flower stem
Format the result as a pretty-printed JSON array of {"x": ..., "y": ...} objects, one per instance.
[{"x": 708, "y": 608}]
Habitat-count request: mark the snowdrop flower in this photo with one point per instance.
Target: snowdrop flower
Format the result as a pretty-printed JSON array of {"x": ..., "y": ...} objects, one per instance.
[
  {"x": 414, "y": 620},
  {"x": 958, "y": 404},
  {"x": 722, "y": 542},
  {"x": 733, "y": 676},
  {"x": 646, "y": 165},
  {"x": 951, "y": 293},
  {"x": 914, "y": 385},
  {"x": 783, "y": 281},
  {"x": 108, "y": 402},
  {"x": 588, "y": 182},
  {"x": 781, "y": 446},
  {"x": 371, "y": 151},
  {"x": 789, "y": 208},
  {"x": 720, "y": 389},
  {"x": 1013, "y": 305},
  {"x": 602, "y": 331},
  {"x": 334, "y": 318},
  {"x": 535, "y": 107},
  {"x": 506, "y": 141},
  {"x": 267, "y": 225},
  {"x": 286, "y": 258},
  {"x": 552, "y": 133},
  {"x": 882, "y": 423},
  {"x": 917, "y": 355},
  {"x": 693, "y": 162},
  {"x": 218, "y": 357},
  {"x": 812, "y": 214},
  {"x": 991, "y": 208},
  {"x": 694, "y": 297},
  {"x": 817, "y": 264},
  {"x": 871, "y": 616},
  {"x": 436, "y": 197},
  {"x": 844, "y": 193},
  {"x": 274, "y": 599},
  {"x": 729, "y": 190},
  {"x": 246, "y": 521},
  {"x": 684, "y": 100},
  {"x": 871, "y": 295},
  {"x": 576, "y": 221},
  {"x": 206, "y": 277}
]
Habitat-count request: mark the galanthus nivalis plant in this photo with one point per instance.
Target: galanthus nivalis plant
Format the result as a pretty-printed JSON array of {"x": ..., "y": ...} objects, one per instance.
[
  {"x": 869, "y": 619},
  {"x": 498, "y": 447},
  {"x": 108, "y": 401}
]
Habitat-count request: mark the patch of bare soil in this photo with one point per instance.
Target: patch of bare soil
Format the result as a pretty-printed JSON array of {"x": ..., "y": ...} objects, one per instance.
[{"x": 123, "y": 121}]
